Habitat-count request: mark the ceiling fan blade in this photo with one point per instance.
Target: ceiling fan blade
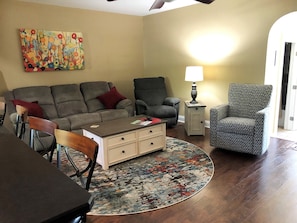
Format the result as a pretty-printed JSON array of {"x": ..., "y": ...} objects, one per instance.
[
  {"x": 205, "y": 1},
  {"x": 157, "y": 4}
]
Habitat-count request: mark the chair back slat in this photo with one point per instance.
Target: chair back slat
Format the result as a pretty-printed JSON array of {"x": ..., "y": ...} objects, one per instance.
[
  {"x": 42, "y": 125},
  {"x": 77, "y": 142},
  {"x": 42, "y": 143}
]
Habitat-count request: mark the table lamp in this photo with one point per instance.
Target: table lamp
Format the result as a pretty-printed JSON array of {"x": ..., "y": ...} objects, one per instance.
[{"x": 193, "y": 74}]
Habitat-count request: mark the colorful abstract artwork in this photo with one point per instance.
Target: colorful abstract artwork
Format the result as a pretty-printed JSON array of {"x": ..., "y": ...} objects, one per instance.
[{"x": 51, "y": 50}]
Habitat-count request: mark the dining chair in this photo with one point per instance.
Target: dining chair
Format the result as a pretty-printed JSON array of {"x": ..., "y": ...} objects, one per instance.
[
  {"x": 89, "y": 149},
  {"x": 2, "y": 112},
  {"x": 42, "y": 136},
  {"x": 22, "y": 118}
]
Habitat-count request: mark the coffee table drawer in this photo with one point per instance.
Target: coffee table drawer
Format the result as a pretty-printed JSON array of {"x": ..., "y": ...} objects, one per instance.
[
  {"x": 149, "y": 131},
  {"x": 118, "y": 154},
  {"x": 121, "y": 138},
  {"x": 151, "y": 144}
]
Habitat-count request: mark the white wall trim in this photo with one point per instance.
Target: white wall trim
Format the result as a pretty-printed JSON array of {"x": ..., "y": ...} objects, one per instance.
[
  {"x": 181, "y": 118},
  {"x": 207, "y": 124},
  {"x": 280, "y": 32}
]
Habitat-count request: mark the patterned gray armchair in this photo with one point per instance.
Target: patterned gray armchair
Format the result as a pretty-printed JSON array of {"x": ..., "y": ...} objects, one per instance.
[{"x": 242, "y": 125}]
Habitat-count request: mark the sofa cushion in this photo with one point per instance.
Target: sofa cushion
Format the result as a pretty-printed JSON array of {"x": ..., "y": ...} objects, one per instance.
[
  {"x": 63, "y": 123},
  {"x": 111, "y": 114},
  {"x": 235, "y": 125},
  {"x": 161, "y": 111},
  {"x": 68, "y": 99},
  {"x": 127, "y": 105},
  {"x": 33, "y": 107},
  {"x": 91, "y": 90},
  {"x": 111, "y": 98},
  {"x": 78, "y": 120},
  {"x": 42, "y": 94}
]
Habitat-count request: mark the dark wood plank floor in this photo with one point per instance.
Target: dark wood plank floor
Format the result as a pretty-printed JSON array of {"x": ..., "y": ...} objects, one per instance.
[{"x": 244, "y": 188}]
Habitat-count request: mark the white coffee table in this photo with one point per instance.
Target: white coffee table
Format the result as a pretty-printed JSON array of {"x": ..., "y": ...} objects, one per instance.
[{"x": 120, "y": 140}]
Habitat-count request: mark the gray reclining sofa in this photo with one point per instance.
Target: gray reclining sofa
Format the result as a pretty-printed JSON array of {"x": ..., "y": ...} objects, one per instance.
[{"x": 70, "y": 105}]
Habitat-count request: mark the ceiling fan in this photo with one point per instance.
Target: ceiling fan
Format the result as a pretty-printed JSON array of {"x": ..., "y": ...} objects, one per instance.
[{"x": 159, "y": 3}]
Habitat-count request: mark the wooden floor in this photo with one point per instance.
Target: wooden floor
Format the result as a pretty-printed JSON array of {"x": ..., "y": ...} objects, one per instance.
[{"x": 244, "y": 188}]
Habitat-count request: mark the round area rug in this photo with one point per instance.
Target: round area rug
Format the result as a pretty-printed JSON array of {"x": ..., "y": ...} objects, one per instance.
[{"x": 150, "y": 182}]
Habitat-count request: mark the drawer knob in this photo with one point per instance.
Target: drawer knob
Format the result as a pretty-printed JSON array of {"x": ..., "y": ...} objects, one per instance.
[
  {"x": 123, "y": 151},
  {"x": 151, "y": 131},
  {"x": 152, "y": 143},
  {"x": 122, "y": 138}
]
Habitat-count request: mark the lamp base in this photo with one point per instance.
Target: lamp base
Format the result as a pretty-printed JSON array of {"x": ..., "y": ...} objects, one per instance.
[{"x": 194, "y": 93}]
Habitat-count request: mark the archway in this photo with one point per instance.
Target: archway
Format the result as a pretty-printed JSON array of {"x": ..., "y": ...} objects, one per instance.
[{"x": 281, "y": 32}]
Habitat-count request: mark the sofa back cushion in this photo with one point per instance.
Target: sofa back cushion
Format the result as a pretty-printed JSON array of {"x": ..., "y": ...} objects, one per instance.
[
  {"x": 40, "y": 94},
  {"x": 91, "y": 90},
  {"x": 68, "y": 99}
]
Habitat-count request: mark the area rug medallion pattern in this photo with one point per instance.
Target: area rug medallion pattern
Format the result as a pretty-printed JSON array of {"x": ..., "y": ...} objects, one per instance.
[{"x": 150, "y": 182}]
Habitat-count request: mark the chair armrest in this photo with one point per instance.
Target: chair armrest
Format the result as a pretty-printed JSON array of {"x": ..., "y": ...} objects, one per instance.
[
  {"x": 171, "y": 101},
  {"x": 140, "y": 106},
  {"x": 141, "y": 103},
  {"x": 219, "y": 112},
  {"x": 262, "y": 137},
  {"x": 124, "y": 103},
  {"x": 216, "y": 114},
  {"x": 127, "y": 105}
]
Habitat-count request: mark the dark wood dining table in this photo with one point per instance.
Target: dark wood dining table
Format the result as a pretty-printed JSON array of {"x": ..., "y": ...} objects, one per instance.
[{"x": 33, "y": 190}]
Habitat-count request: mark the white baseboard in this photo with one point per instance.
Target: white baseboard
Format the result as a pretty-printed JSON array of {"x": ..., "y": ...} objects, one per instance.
[{"x": 181, "y": 119}]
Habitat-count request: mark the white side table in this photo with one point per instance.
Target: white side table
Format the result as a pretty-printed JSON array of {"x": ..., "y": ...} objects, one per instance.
[{"x": 194, "y": 118}]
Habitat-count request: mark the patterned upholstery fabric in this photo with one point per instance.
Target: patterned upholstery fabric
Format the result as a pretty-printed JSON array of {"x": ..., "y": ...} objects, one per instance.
[{"x": 242, "y": 125}]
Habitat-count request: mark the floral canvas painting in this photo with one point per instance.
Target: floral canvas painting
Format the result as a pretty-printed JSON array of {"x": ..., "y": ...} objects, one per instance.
[{"x": 51, "y": 50}]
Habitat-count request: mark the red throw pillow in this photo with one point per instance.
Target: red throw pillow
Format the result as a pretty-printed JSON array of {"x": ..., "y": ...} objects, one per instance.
[
  {"x": 33, "y": 107},
  {"x": 111, "y": 98}
]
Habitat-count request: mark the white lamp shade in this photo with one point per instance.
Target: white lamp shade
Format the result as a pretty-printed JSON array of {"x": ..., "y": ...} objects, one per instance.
[{"x": 194, "y": 73}]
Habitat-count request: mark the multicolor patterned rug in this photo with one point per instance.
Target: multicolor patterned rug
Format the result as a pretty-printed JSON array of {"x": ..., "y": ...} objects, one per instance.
[{"x": 150, "y": 182}]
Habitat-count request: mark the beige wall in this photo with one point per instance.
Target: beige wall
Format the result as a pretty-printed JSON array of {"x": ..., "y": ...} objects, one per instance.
[
  {"x": 227, "y": 37},
  {"x": 113, "y": 44},
  {"x": 119, "y": 48}
]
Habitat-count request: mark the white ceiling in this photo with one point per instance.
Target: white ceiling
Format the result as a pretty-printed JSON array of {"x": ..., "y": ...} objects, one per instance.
[{"x": 129, "y": 7}]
